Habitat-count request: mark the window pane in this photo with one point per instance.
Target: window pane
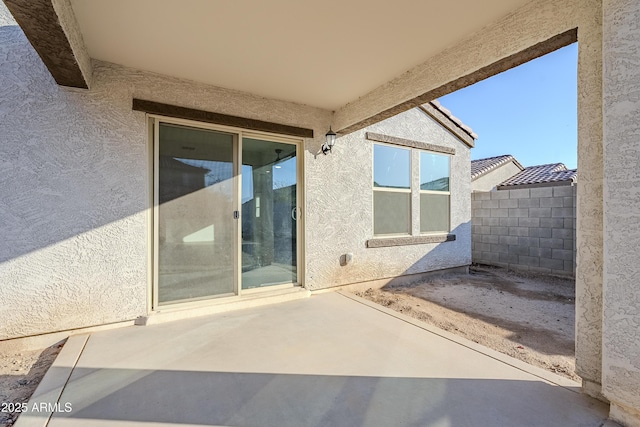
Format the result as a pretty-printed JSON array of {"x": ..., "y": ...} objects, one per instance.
[
  {"x": 434, "y": 212},
  {"x": 391, "y": 212},
  {"x": 434, "y": 172},
  {"x": 391, "y": 167}
]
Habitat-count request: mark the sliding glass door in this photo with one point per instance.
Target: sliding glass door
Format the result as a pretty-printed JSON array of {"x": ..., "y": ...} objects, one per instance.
[
  {"x": 195, "y": 213},
  {"x": 269, "y": 213},
  {"x": 221, "y": 228}
]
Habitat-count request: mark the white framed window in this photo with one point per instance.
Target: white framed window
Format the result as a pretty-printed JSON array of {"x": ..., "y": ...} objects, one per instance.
[
  {"x": 435, "y": 192},
  {"x": 394, "y": 191},
  {"x": 391, "y": 190}
]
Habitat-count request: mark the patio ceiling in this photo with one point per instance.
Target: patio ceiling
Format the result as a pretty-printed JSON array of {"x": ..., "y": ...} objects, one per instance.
[{"x": 320, "y": 53}]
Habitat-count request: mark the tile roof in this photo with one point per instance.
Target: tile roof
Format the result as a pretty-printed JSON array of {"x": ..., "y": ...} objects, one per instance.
[
  {"x": 483, "y": 166},
  {"x": 436, "y": 104},
  {"x": 554, "y": 172}
]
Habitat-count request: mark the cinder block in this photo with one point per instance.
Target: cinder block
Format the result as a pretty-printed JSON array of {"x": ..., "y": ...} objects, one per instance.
[
  {"x": 569, "y": 244},
  {"x": 518, "y": 231},
  {"x": 518, "y": 250},
  {"x": 484, "y": 229},
  {"x": 561, "y": 273},
  {"x": 509, "y": 222},
  {"x": 529, "y": 261},
  {"x": 529, "y": 242},
  {"x": 529, "y": 203},
  {"x": 478, "y": 256},
  {"x": 552, "y": 264},
  {"x": 569, "y": 202},
  {"x": 476, "y": 204},
  {"x": 509, "y": 258},
  {"x": 476, "y": 221},
  {"x": 551, "y": 243},
  {"x": 540, "y": 232},
  {"x": 500, "y": 231},
  {"x": 540, "y": 252},
  {"x": 519, "y": 212},
  {"x": 499, "y": 195},
  {"x": 540, "y": 270},
  {"x": 562, "y": 254},
  {"x": 491, "y": 221},
  {"x": 563, "y": 191},
  {"x": 483, "y": 247},
  {"x": 481, "y": 213},
  {"x": 501, "y": 264},
  {"x": 552, "y": 222},
  {"x": 550, "y": 202},
  {"x": 539, "y": 212},
  {"x": 562, "y": 212},
  {"x": 499, "y": 213},
  {"x": 490, "y": 204},
  {"x": 507, "y": 203},
  {"x": 481, "y": 195},
  {"x": 521, "y": 193},
  {"x": 569, "y": 223},
  {"x": 542, "y": 192},
  {"x": 508, "y": 240},
  {"x": 475, "y": 229},
  {"x": 490, "y": 238},
  {"x": 529, "y": 222},
  {"x": 500, "y": 249},
  {"x": 562, "y": 233},
  {"x": 569, "y": 266}
]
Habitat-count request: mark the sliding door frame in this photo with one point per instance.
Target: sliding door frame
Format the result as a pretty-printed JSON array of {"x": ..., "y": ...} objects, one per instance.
[{"x": 239, "y": 134}]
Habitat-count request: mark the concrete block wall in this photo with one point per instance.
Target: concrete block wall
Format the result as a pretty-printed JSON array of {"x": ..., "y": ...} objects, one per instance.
[{"x": 529, "y": 229}]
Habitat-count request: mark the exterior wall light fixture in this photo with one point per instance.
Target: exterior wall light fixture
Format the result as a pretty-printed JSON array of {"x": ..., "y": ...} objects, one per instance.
[{"x": 329, "y": 142}]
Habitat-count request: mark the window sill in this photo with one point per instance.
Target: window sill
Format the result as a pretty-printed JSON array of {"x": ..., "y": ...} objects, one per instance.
[{"x": 383, "y": 242}]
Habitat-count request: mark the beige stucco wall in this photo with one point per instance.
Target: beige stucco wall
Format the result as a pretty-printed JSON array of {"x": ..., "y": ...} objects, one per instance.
[
  {"x": 74, "y": 166},
  {"x": 488, "y": 181},
  {"x": 341, "y": 209},
  {"x": 76, "y": 185},
  {"x": 589, "y": 257},
  {"x": 621, "y": 292}
]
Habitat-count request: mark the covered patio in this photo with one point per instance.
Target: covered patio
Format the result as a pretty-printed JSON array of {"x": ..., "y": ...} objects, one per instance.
[
  {"x": 80, "y": 71},
  {"x": 332, "y": 359}
]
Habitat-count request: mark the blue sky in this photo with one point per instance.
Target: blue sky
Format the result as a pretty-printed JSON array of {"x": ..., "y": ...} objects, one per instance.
[{"x": 529, "y": 111}]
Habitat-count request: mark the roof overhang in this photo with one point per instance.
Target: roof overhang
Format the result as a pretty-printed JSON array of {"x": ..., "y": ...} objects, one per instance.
[{"x": 364, "y": 60}]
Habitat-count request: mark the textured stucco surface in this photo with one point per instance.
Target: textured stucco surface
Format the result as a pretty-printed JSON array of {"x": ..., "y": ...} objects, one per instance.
[
  {"x": 343, "y": 208},
  {"x": 5, "y": 16},
  {"x": 75, "y": 186},
  {"x": 488, "y": 181},
  {"x": 621, "y": 294},
  {"x": 589, "y": 241}
]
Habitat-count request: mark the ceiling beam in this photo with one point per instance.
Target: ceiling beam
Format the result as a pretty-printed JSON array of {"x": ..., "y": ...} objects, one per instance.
[
  {"x": 52, "y": 30},
  {"x": 535, "y": 29}
]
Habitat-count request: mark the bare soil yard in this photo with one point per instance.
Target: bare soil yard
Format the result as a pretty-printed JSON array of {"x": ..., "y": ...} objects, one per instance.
[
  {"x": 20, "y": 374},
  {"x": 529, "y": 317}
]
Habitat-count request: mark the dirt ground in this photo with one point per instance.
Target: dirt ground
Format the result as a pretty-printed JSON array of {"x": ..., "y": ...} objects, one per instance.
[
  {"x": 529, "y": 317},
  {"x": 20, "y": 374}
]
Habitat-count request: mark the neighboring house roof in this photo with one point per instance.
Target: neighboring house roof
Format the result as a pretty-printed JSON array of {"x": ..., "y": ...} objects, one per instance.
[
  {"x": 483, "y": 166},
  {"x": 541, "y": 174}
]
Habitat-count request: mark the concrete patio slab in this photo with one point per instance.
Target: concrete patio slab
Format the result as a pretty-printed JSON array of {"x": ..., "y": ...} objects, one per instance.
[{"x": 329, "y": 360}]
